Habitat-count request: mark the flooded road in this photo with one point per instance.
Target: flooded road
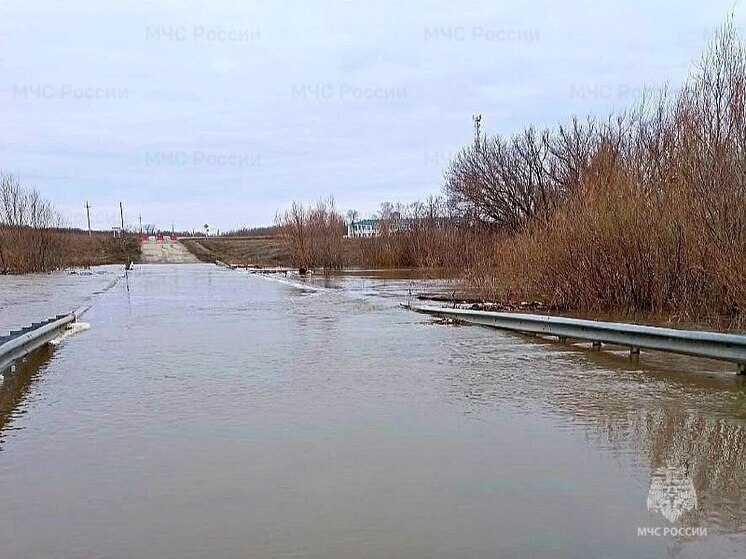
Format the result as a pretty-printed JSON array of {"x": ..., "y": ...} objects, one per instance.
[
  {"x": 33, "y": 297},
  {"x": 210, "y": 413}
]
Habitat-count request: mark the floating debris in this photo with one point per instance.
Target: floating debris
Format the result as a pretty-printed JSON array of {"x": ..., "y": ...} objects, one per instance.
[
  {"x": 447, "y": 321},
  {"x": 72, "y": 329},
  {"x": 477, "y": 304},
  {"x": 513, "y": 306}
]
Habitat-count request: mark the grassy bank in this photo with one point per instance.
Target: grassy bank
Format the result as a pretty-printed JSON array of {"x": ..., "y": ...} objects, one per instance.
[
  {"x": 389, "y": 252},
  {"x": 27, "y": 250},
  {"x": 275, "y": 251},
  {"x": 32, "y": 238},
  {"x": 241, "y": 251}
]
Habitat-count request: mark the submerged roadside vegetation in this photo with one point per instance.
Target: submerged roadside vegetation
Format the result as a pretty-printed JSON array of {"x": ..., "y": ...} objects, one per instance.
[
  {"x": 33, "y": 237},
  {"x": 638, "y": 213}
]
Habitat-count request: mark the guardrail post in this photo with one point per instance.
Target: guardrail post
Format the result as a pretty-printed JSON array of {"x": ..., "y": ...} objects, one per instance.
[{"x": 712, "y": 345}]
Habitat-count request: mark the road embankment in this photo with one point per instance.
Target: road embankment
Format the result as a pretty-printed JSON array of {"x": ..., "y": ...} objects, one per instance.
[
  {"x": 166, "y": 252},
  {"x": 241, "y": 251}
]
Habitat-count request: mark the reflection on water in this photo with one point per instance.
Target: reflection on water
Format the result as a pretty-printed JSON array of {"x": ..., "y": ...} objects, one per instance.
[
  {"x": 210, "y": 413},
  {"x": 15, "y": 386},
  {"x": 708, "y": 454},
  {"x": 682, "y": 418}
]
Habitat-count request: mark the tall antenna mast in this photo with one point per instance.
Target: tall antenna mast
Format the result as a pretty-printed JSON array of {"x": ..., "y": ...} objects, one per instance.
[{"x": 477, "y": 129}]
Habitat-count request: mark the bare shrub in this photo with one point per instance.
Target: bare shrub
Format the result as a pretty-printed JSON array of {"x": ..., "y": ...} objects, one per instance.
[
  {"x": 423, "y": 235},
  {"x": 506, "y": 183},
  {"x": 26, "y": 240},
  {"x": 313, "y": 236},
  {"x": 648, "y": 210}
]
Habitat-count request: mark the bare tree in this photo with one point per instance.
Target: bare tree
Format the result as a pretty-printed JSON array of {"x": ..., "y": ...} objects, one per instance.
[
  {"x": 26, "y": 239},
  {"x": 314, "y": 236},
  {"x": 352, "y": 216}
]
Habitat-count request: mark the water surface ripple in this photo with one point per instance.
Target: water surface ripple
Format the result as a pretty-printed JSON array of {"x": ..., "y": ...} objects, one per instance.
[{"x": 211, "y": 413}]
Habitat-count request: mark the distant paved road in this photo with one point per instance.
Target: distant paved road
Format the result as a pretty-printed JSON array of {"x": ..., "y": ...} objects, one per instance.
[{"x": 166, "y": 253}]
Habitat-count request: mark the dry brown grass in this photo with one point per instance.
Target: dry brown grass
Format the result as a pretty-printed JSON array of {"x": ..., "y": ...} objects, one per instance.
[
  {"x": 241, "y": 251},
  {"x": 424, "y": 245},
  {"x": 420, "y": 235},
  {"x": 29, "y": 250},
  {"x": 32, "y": 239},
  {"x": 656, "y": 221}
]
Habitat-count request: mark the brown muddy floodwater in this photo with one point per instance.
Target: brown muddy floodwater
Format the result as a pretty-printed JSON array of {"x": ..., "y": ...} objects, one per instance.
[{"x": 213, "y": 414}]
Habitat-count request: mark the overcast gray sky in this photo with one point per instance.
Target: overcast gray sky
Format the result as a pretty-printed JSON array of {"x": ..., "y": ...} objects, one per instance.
[{"x": 223, "y": 112}]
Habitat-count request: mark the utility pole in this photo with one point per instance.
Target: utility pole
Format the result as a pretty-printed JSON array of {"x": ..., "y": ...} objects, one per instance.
[
  {"x": 141, "y": 223},
  {"x": 172, "y": 228},
  {"x": 88, "y": 213},
  {"x": 121, "y": 215}
]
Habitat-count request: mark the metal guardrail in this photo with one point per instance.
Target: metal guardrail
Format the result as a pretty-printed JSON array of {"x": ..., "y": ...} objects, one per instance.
[
  {"x": 20, "y": 343},
  {"x": 724, "y": 347}
]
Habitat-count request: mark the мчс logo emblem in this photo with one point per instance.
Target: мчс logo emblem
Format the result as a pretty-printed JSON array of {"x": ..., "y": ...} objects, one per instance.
[{"x": 672, "y": 492}]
